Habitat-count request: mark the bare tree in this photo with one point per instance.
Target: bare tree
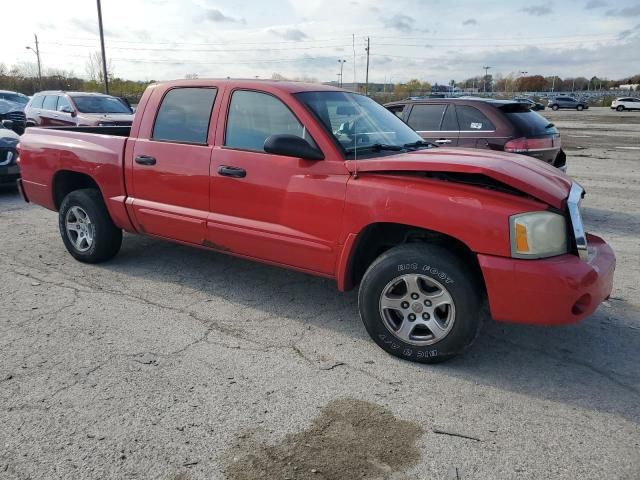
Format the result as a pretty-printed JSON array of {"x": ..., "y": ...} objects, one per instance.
[
  {"x": 191, "y": 76},
  {"x": 94, "y": 69}
]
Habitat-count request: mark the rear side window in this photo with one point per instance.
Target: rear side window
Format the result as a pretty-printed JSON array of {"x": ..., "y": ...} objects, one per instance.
[
  {"x": 254, "y": 116},
  {"x": 36, "y": 102},
  {"x": 50, "y": 102},
  {"x": 184, "y": 114},
  {"x": 472, "y": 119},
  {"x": 426, "y": 117}
]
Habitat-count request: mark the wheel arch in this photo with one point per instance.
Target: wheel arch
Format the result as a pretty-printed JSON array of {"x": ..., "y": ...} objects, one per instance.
[
  {"x": 66, "y": 181},
  {"x": 376, "y": 238}
]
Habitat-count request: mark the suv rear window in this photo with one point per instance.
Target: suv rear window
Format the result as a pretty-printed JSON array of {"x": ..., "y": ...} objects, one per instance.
[{"x": 527, "y": 122}]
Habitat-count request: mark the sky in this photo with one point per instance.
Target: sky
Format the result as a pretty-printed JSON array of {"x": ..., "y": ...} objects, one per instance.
[{"x": 435, "y": 41}]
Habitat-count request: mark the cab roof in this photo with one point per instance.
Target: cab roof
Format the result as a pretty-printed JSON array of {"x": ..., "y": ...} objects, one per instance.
[{"x": 283, "y": 85}]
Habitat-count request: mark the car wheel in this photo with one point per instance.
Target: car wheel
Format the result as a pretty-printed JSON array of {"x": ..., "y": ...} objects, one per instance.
[
  {"x": 419, "y": 302},
  {"x": 86, "y": 228},
  {"x": 579, "y": 108},
  {"x": 620, "y": 108},
  {"x": 554, "y": 107}
]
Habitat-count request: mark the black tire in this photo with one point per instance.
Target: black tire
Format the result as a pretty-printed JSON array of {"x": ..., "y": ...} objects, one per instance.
[
  {"x": 436, "y": 264},
  {"x": 620, "y": 108},
  {"x": 106, "y": 237},
  {"x": 554, "y": 107},
  {"x": 579, "y": 108}
]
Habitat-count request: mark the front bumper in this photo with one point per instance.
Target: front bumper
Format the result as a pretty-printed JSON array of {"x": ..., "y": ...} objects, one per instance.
[
  {"x": 9, "y": 174},
  {"x": 551, "y": 291}
]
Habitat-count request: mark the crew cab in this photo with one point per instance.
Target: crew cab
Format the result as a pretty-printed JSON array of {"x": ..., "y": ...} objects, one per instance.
[{"x": 330, "y": 183}]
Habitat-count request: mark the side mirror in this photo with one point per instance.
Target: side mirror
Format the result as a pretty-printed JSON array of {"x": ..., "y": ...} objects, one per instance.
[
  {"x": 67, "y": 109},
  {"x": 8, "y": 124},
  {"x": 292, "y": 146}
]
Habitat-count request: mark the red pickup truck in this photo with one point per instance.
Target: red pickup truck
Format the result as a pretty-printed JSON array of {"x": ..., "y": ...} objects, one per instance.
[{"x": 328, "y": 182}]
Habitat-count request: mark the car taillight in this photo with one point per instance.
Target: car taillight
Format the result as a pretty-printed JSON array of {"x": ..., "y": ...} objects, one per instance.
[{"x": 524, "y": 144}]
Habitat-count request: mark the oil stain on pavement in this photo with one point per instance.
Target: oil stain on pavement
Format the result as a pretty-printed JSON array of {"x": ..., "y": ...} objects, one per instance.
[{"x": 349, "y": 439}]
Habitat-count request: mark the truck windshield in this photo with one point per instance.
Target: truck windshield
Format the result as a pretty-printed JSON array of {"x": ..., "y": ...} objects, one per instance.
[
  {"x": 14, "y": 97},
  {"x": 362, "y": 127},
  {"x": 96, "y": 104}
]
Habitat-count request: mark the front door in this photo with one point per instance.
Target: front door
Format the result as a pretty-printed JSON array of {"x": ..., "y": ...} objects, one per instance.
[
  {"x": 170, "y": 168},
  {"x": 274, "y": 208}
]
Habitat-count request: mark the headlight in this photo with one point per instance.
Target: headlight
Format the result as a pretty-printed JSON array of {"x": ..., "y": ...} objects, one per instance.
[{"x": 538, "y": 235}]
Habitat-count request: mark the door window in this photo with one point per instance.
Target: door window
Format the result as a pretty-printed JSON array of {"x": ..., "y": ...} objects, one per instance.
[
  {"x": 472, "y": 119},
  {"x": 184, "y": 115},
  {"x": 50, "y": 102},
  {"x": 254, "y": 116},
  {"x": 426, "y": 117},
  {"x": 449, "y": 121},
  {"x": 63, "y": 104}
]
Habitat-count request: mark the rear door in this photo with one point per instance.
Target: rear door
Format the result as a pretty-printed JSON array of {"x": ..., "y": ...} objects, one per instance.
[
  {"x": 476, "y": 129},
  {"x": 49, "y": 106},
  {"x": 170, "y": 165},
  {"x": 435, "y": 122}
]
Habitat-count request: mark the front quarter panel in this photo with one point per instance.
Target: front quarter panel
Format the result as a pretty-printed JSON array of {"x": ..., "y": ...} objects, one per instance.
[{"x": 477, "y": 217}]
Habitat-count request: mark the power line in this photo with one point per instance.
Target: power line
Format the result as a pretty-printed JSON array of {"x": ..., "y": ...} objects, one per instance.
[{"x": 202, "y": 50}]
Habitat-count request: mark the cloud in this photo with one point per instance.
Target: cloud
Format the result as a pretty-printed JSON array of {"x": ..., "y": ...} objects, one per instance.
[
  {"x": 538, "y": 10},
  {"x": 470, "y": 21},
  {"x": 402, "y": 23},
  {"x": 591, "y": 4},
  {"x": 632, "y": 32},
  {"x": 216, "y": 15},
  {"x": 293, "y": 34},
  {"x": 625, "y": 12}
]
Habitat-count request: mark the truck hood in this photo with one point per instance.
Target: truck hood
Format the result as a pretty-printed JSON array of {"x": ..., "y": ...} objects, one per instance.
[{"x": 528, "y": 175}]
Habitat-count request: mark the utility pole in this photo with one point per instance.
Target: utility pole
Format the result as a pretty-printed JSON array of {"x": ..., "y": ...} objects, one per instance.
[
  {"x": 486, "y": 74},
  {"x": 553, "y": 83},
  {"x": 522, "y": 75},
  {"x": 366, "y": 85},
  {"x": 37, "y": 52},
  {"x": 104, "y": 56},
  {"x": 341, "y": 62}
]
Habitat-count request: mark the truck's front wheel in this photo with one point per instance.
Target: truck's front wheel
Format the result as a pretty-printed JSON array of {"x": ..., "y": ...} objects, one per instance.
[
  {"x": 420, "y": 303},
  {"x": 87, "y": 230}
]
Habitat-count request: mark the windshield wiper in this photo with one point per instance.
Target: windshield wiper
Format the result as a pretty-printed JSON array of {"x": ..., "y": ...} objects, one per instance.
[
  {"x": 377, "y": 147},
  {"x": 420, "y": 143}
]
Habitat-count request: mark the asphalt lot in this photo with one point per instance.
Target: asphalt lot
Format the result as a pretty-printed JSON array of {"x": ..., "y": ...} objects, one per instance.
[{"x": 178, "y": 363}]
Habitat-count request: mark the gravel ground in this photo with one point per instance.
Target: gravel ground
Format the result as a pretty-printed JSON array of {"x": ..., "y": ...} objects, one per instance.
[{"x": 177, "y": 363}]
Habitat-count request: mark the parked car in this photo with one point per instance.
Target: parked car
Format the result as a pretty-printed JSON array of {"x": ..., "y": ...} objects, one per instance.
[
  {"x": 626, "y": 103},
  {"x": 329, "y": 182},
  {"x": 536, "y": 106},
  {"x": 9, "y": 172},
  {"x": 12, "y": 108},
  {"x": 567, "y": 102},
  {"x": 58, "y": 108},
  {"x": 473, "y": 122}
]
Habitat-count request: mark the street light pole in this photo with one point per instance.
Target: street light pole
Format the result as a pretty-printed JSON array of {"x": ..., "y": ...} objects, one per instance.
[
  {"x": 104, "y": 57},
  {"x": 37, "y": 52},
  {"x": 523, "y": 74},
  {"x": 486, "y": 74},
  {"x": 341, "y": 62}
]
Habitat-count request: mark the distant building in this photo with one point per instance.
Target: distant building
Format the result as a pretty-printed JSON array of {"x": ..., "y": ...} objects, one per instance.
[{"x": 628, "y": 86}]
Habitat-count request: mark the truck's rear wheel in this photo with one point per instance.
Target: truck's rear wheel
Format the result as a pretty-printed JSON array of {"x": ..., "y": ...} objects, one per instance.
[
  {"x": 420, "y": 303},
  {"x": 87, "y": 230}
]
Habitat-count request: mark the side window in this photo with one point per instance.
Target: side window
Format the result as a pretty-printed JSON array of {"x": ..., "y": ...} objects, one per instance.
[
  {"x": 450, "y": 122},
  {"x": 426, "y": 117},
  {"x": 63, "y": 104},
  {"x": 472, "y": 119},
  {"x": 36, "y": 102},
  {"x": 50, "y": 102},
  {"x": 254, "y": 116},
  {"x": 396, "y": 110},
  {"x": 184, "y": 114}
]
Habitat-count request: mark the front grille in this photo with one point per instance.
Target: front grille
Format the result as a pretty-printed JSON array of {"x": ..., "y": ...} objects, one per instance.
[
  {"x": 19, "y": 120},
  {"x": 8, "y": 157}
]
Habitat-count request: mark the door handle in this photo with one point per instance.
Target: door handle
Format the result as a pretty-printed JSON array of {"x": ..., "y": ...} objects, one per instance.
[
  {"x": 145, "y": 160},
  {"x": 235, "y": 172},
  {"x": 442, "y": 141}
]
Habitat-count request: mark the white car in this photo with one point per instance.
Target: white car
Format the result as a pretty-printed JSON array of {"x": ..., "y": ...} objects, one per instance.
[{"x": 626, "y": 103}]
